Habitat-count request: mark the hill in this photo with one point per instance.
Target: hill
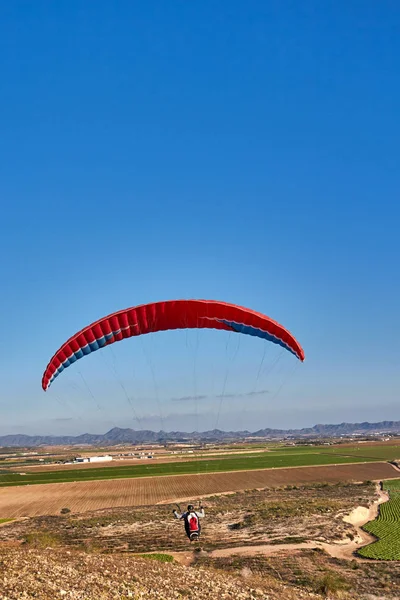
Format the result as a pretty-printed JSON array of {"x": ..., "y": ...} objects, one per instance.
[{"x": 119, "y": 435}]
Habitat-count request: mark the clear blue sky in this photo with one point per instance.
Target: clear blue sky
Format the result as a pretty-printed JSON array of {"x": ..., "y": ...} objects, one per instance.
[{"x": 243, "y": 151}]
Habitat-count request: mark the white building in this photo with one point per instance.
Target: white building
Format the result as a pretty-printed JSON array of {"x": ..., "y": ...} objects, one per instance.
[
  {"x": 105, "y": 458},
  {"x": 94, "y": 459}
]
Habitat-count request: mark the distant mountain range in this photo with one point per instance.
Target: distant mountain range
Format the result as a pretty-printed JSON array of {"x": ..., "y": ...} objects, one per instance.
[{"x": 122, "y": 436}]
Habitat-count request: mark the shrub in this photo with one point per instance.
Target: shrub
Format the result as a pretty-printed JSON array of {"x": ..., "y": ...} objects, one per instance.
[
  {"x": 42, "y": 539},
  {"x": 164, "y": 558},
  {"x": 330, "y": 583}
]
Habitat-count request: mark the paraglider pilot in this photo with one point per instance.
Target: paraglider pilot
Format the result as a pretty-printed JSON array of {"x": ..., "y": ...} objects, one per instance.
[{"x": 191, "y": 518}]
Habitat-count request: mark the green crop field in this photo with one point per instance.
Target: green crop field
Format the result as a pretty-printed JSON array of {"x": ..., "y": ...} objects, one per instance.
[
  {"x": 375, "y": 452},
  {"x": 392, "y": 485},
  {"x": 386, "y": 528},
  {"x": 265, "y": 460},
  {"x": 278, "y": 456}
]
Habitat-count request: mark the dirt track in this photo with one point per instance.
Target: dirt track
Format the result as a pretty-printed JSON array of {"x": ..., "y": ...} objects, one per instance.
[
  {"x": 343, "y": 550},
  {"x": 49, "y": 499}
]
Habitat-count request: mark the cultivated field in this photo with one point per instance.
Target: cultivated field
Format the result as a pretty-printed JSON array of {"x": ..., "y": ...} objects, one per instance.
[
  {"x": 128, "y": 462},
  {"x": 278, "y": 457},
  {"x": 392, "y": 486},
  {"x": 82, "y": 496},
  {"x": 386, "y": 527}
]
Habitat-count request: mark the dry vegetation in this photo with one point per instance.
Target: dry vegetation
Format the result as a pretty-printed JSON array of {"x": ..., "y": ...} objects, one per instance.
[
  {"x": 315, "y": 571},
  {"x": 51, "y": 574},
  {"x": 276, "y": 515},
  {"x": 94, "y": 556}
]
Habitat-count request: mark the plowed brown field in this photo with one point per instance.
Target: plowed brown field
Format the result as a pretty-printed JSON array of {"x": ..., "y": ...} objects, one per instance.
[{"x": 49, "y": 499}]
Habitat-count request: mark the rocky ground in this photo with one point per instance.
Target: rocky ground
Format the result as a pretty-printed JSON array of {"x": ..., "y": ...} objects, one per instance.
[
  {"x": 51, "y": 574},
  {"x": 96, "y": 556}
]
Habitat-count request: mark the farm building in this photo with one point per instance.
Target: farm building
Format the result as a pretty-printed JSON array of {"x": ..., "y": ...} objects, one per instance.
[
  {"x": 104, "y": 458},
  {"x": 94, "y": 459}
]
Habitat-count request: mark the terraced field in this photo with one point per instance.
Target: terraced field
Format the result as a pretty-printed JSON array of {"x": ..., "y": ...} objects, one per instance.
[{"x": 386, "y": 527}]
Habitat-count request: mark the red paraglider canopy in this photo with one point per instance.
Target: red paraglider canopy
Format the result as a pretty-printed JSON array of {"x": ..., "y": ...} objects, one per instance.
[{"x": 161, "y": 316}]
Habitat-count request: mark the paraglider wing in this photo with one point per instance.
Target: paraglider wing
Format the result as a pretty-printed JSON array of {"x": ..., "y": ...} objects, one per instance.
[{"x": 162, "y": 316}]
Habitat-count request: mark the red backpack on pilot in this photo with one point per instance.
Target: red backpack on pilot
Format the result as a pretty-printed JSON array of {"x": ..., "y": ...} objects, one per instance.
[{"x": 193, "y": 522}]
